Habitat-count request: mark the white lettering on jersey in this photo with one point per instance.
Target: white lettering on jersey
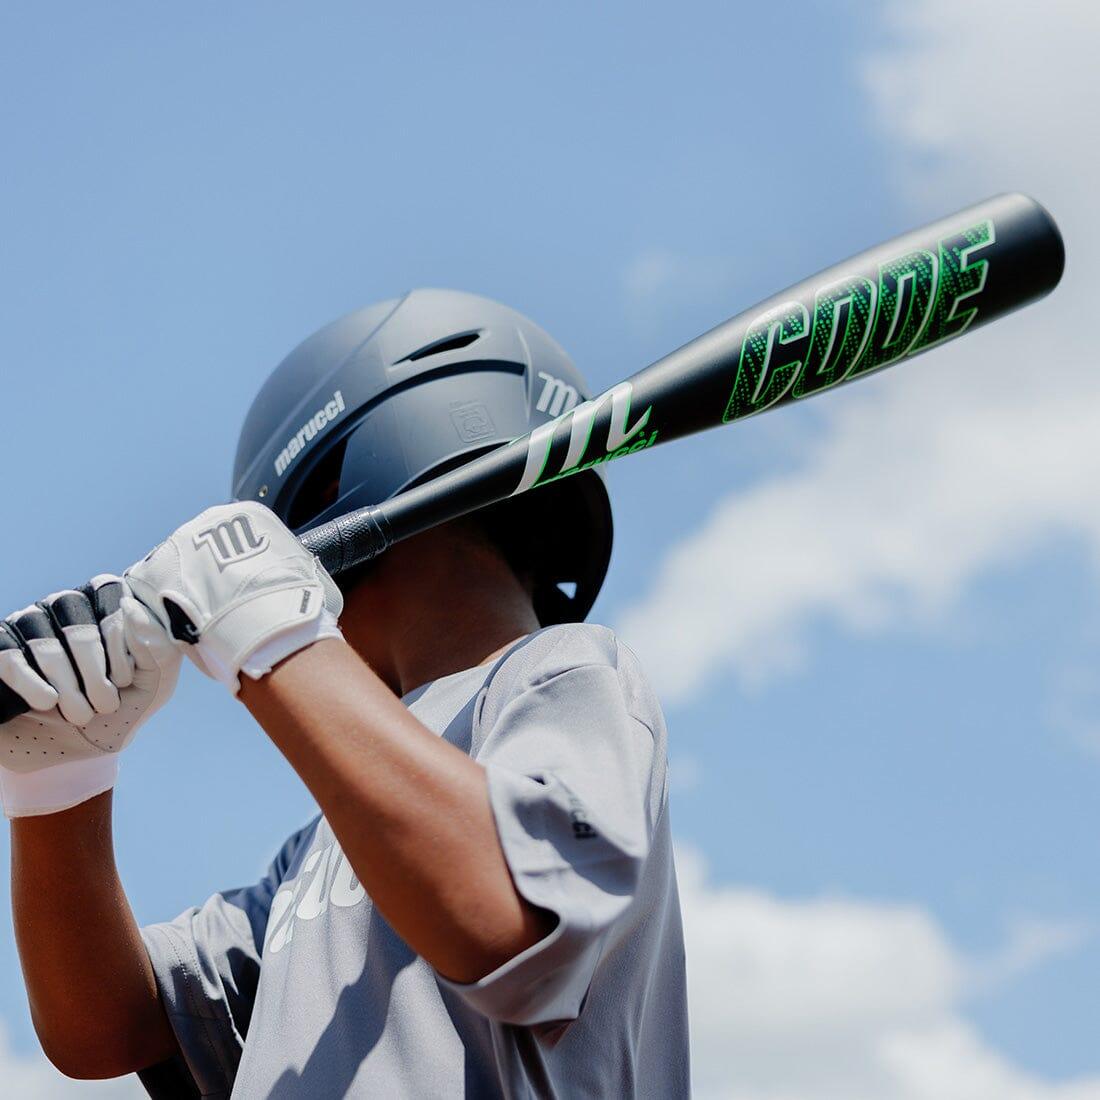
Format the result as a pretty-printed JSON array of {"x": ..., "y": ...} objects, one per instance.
[{"x": 326, "y": 878}]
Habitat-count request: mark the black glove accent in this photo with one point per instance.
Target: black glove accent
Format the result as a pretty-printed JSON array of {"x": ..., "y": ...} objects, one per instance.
[
  {"x": 33, "y": 623},
  {"x": 182, "y": 628},
  {"x": 105, "y": 600},
  {"x": 70, "y": 609},
  {"x": 12, "y": 704}
]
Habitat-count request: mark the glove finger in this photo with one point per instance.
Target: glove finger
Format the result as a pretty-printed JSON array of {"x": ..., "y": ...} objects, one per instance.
[
  {"x": 17, "y": 674},
  {"x": 146, "y": 579},
  {"x": 146, "y": 638},
  {"x": 105, "y": 593},
  {"x": 74, "y": 621},
  {"x": 34, "y": 628}
]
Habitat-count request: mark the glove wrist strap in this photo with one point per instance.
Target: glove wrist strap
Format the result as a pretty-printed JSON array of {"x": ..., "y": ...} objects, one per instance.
[
  {"x": 59, "y": 787},
  {"x": 261, "y": 660}
]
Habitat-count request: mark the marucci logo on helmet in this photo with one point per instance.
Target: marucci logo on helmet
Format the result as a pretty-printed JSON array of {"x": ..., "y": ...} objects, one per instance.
[
  {"x": 317, "y": 423},
  {"x": 557, "y": 397}
]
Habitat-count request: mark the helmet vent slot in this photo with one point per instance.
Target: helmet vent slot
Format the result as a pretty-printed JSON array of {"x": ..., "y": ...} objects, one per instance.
[{"x": 451, "y": 343}]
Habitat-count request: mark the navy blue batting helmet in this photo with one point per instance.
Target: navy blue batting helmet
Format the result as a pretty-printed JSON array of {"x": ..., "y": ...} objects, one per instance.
[{"x": 401, "y": 391}]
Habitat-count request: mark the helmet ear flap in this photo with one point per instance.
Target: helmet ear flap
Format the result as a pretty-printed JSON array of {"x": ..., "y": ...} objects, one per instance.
[{"x": 561, "y": 536}]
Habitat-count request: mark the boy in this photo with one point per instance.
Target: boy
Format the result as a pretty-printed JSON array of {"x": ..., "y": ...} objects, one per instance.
[{"x": 487, "y": 905}]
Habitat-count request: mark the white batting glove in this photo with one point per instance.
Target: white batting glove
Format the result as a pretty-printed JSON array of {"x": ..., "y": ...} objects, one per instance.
[
  {"x": 92, "y": 666},
  {"x": 240, "y": 590}
]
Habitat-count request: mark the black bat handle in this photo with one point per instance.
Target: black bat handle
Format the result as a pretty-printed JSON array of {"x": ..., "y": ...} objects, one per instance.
[{"x": 348, "y": 541}]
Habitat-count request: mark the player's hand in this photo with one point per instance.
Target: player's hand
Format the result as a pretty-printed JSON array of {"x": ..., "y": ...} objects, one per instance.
[
  {"x": 240, "y": 590},
  {"x": 92, "y": 665}
]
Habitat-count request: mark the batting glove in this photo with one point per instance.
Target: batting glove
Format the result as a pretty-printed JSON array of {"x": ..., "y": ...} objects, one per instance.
[
  {"x": 240, "y": 590},
  {"x": 92, "y": 665}
]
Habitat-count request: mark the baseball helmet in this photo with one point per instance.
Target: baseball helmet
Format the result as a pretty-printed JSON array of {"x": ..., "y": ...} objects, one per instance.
[{"x": 399, "y": 392}]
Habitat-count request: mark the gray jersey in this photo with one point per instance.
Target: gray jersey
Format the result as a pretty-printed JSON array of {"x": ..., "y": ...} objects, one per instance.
[{"x": 297, "y": 987}]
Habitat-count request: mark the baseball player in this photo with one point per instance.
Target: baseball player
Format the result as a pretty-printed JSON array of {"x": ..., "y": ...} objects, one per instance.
[{"x": 486, "y": 904}]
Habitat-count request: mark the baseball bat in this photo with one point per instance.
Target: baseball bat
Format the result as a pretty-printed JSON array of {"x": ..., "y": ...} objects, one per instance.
[
  {"x": 878, "y": 308},
  {"x": 884, "y": 305}
]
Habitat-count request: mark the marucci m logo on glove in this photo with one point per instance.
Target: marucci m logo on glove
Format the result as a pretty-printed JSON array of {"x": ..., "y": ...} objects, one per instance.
[
  {"x": 236, "y": 585},
  {"x": 232, "y": 540}
]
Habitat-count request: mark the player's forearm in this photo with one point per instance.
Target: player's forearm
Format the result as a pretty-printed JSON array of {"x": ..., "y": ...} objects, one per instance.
[
  {"x": 90, "y": 985},
  {"x": 410, "y": 810}
]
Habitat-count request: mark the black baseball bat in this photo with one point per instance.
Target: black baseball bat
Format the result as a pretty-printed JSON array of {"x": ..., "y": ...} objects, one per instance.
[{"x": 884, "y": 305}]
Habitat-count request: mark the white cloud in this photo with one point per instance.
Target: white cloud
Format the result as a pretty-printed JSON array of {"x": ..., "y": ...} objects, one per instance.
[
  {"x": 31, "y": 1077},
  {"x": 989, "y": 92},
  {"x": 902, "y": 501},
  {"x": 836, "y": 999},
  {"x": 659, "y": 281},
  {"x": 650, "y": 274},
  {"x": 1074, "y": 705},
  {"x": 1030, "y": 943},
  {"x": 962, "y": 460}
]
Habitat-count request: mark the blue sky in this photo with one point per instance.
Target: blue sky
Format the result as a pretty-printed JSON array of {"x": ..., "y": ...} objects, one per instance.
[{"x": 887, "y": 753}]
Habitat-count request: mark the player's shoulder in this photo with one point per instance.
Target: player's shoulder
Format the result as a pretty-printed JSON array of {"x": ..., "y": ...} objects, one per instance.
[
  {"x": 550, "y": 673},
  {"x": 558, "y": 650}
]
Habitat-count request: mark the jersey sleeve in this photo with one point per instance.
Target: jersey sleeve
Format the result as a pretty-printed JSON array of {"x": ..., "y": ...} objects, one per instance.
[
  {"x": 207, "y": 965},
  {"x": 573, "y": 743}
]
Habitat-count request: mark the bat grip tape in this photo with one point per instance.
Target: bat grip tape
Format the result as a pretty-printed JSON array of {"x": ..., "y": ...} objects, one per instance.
[{"x": 348, "y": 541}]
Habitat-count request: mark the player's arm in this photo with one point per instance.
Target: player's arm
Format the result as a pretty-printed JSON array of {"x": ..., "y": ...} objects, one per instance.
[
  {"x": 91, "y": 666},
  {"x": 411, "y": 811},
  {"x": 517, "y": 905},
  {"x": 90, "y": 985}
]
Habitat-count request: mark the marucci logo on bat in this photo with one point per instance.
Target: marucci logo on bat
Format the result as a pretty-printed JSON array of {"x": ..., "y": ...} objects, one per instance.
[
  {"x": 622, "y": 437},
  {"x": 861, "y": 322}
]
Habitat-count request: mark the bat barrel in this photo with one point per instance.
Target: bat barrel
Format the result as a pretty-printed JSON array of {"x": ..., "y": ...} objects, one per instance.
[{"x": 885, "y": 305}]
